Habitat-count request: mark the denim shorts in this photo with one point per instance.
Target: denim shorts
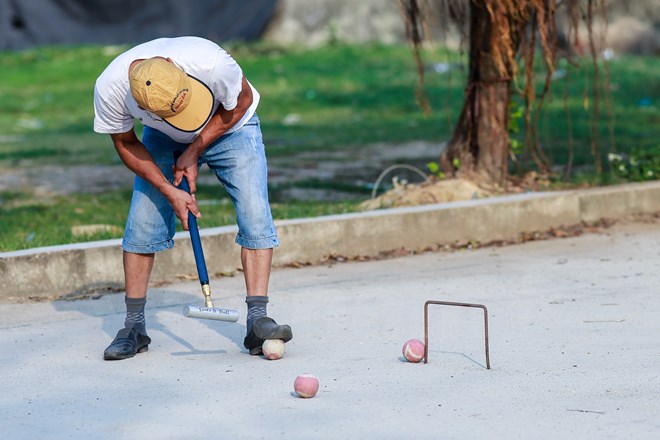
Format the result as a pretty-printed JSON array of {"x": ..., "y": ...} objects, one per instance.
[{"x": 238, "y": 160}]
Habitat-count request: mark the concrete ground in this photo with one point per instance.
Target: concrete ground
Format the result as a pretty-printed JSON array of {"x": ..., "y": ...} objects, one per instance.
[{"x": 574, "y": 351}]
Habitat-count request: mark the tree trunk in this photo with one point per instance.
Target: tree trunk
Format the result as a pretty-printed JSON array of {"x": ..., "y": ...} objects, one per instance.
[{"x": 479, "y": 147}]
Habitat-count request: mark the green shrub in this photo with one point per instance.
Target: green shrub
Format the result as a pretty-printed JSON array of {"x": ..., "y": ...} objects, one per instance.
[{"x": 638, "y": 166}]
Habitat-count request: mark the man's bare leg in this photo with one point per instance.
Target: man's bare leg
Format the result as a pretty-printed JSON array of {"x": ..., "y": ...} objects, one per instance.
[
  {"x": 256, "y": 270},
  {"x": 137, "y": 270}
]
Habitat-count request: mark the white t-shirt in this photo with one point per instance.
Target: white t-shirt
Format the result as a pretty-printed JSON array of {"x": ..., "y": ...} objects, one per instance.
[{"x": 115, "y": 108}]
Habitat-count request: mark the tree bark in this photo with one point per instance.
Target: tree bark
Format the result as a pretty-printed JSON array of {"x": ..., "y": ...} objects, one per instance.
[{"x": 479, "y": 147}]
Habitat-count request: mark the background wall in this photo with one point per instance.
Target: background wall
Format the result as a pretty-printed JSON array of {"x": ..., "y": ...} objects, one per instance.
[
  {"x": 633, "y": 25},
  {"x": 28, "y": 23}
]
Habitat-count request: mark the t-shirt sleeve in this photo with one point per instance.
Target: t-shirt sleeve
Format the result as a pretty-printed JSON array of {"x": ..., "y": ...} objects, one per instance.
[
  {"x": 226, "y": 80},
  {"x": 110, "y": 113}
]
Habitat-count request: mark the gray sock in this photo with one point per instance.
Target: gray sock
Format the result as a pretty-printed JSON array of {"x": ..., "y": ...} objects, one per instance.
[
  {"x": 256, "y": 306},
  {"x": 135, "y": 314}
]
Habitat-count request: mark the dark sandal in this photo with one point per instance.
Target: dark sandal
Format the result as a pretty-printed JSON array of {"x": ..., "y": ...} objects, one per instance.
[{"x": 127, "y": 344}]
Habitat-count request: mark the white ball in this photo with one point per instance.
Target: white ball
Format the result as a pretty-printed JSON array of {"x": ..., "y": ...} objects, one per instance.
[{"x": 273, "y": 349}]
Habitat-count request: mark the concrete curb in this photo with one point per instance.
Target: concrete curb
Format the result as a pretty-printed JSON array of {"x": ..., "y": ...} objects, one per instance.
[{"x": 43, "y": 273}]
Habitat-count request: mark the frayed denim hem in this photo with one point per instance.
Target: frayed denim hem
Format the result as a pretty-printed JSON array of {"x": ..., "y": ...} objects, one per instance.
[
  {"x": 260, "y": 243},
  {"x": 147, "y": 248}
]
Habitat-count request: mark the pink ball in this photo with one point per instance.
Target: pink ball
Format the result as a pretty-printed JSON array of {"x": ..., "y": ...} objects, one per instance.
[
  {"x": 413, "y": 350},
  {"x": 306, "y": 385}
]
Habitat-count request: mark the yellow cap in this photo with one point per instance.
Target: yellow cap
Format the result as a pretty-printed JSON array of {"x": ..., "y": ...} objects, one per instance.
[{"x": 163, "y": 89}]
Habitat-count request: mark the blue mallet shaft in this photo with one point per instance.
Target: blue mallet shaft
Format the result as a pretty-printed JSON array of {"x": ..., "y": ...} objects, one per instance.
[{"x": 207, "y": 312}]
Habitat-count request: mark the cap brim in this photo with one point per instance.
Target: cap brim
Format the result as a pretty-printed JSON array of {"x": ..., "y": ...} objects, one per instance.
[{"x": 198, "y": 111}]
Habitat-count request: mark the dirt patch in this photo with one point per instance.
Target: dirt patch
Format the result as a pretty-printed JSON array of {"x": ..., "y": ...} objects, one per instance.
[
  {"x": 428, "y": 192},
  {"x": 358, "y": 167},
  {"x": 57, "y": 180},
  {"x": 434, "y": 190}
]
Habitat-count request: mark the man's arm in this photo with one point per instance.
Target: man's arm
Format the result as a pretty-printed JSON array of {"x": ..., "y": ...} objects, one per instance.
[
  {"x": 136, "y": 158},
  {"x": 219, "y": 124}
]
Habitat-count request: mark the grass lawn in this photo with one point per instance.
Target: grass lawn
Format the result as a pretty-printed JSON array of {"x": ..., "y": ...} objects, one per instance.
[{"x": 332, "y": 98}]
